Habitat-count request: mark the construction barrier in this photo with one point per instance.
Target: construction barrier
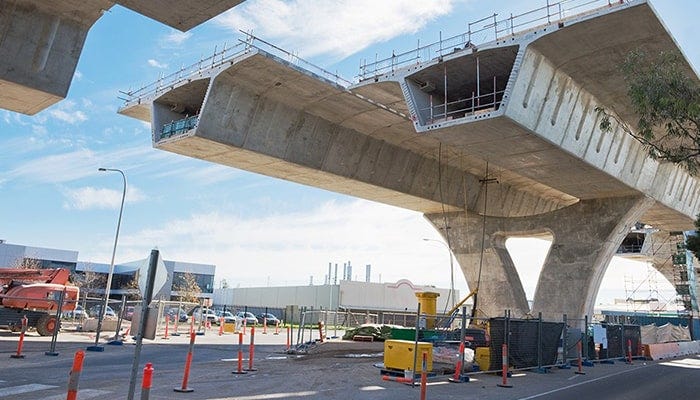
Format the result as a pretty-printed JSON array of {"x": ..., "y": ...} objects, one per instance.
[
  {"x": 662, "y": 351},
  {"x": 74, "y": 376},
  {"x": 147, "y": 381},
  {"x": 188, "y": 362},
  {"x": 240, "y": 371},
  {"x": 251, "y": 350},
  {"x": 19, "y": 354}
]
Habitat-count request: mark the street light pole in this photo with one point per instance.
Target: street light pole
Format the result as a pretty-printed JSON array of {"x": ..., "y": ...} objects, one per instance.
[
  {"x": 103, "y": 310},
  {"x": 452, "y": 269}
]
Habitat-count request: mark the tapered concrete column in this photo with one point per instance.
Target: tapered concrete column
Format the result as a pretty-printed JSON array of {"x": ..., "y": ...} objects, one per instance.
[{"x": 585, "y": 235}]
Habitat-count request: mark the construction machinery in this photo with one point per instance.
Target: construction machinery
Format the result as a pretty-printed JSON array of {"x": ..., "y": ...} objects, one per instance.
[{"x": 35, "y": 293}]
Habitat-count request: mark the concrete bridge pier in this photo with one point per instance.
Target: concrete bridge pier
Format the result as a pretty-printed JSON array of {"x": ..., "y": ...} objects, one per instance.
[{"x": 585, "y": 236}]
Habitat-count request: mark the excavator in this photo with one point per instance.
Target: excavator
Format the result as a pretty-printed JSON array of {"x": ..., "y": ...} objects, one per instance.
[{"x": 34, "y": 293}]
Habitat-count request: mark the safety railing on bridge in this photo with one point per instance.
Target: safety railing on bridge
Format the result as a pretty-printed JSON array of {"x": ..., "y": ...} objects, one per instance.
[
  {"x": 178, "y": 127},
  {"x": 481, "y": 31},
  {"x": 227, "y": 56}
]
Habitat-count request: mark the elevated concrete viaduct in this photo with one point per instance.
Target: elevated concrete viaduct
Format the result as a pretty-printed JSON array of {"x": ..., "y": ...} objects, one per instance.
[
  {"x": 501, "y": 136},
  {"x": 41, "y": 41}
]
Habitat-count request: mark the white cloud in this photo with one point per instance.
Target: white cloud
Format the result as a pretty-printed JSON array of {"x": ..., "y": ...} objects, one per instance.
[
  {"x": 78, "y": 75},
  {"x": 156, "y": 64},
  {"x": 89, "y": 197},
  {"x": 65, "y": 111},
  {"x": 175, "y": 37},
  {"x": 338, "y": 28}
]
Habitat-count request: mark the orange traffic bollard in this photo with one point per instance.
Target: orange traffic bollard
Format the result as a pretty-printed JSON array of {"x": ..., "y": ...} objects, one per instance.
[
  {"x": 240, "y": 355},
  {"x": 167, "y": 323},
  {"x": 221, "y": 326},
  {"x": 320, "y": 331},
  {"x": 580, "y": 360},
  {"x": 188, "y": 362},
  {"x": 424, "y": 377},
  {"x": 277, "y": 327},
  {"x": 457, "y": 377},
  {"x": 264, "y": 325},
  {"x": 251, "y": 350},
  {"x": 504, "y": 362},
  {"x": 74, "y": 376},
  {"x": 21, "y": 339},
  {"x": 289, "y": 339},
  {"x": 245, "y": 324},
  {"x": 629, "y": 351},
  {"x": 147, "y": 381},
  {"x": 192, "y": 324}
]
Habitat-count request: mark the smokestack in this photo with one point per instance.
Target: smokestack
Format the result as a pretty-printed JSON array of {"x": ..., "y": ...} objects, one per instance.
[
  {"x": 349, "y": 271},
  {"x": 368, "y": 272},
  {"x": 311, "y": 280},
  {"x": 329, "y": 274},
  {"x": 345, "y": 272},
  {"x": 335, "y": 276}
]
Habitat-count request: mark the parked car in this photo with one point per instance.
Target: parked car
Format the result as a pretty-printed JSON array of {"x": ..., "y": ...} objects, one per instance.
[
  {"x": 198, "y": 314},
  {"x": 227, "y": 316},
  {"x": 78, "y": 313},
  {"x": 248, "y": 317},
  {"x": 172, "y": 313},
  {"x": 129, "y": 313},
  {"x": 94, "y": 311},
  {"x": 270, "y": 318}
]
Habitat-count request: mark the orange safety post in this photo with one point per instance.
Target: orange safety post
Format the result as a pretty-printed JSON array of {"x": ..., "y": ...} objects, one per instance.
[
  {"x": 424, "y": 376},
  {"x": 240, "y": 371},
  {"x": 251, "y": 350},
  {"x": 221, "y": 326},
  {"x": 245, "y": 324},
  {"x": 277, "y": 327},
  {"x": 188, "y": 362},
  {"x": 579, "y": 347},
  {"x": 504, "y": 363},
  {"x": 192, "y": 324},
  {"x": 74, "y": 376},
  {"x": 175, "y": 332},
  {"x": 288, "y": 339},
  {"x": 147, "y": 381},
  {"x": 457, "y": 377},
  {"x": 264, "y": 325},
  {"x": 320, "y": 331},
  {"x": 167, "y": 322},
  {"x": 629, "y": 351},
  {"x": 21, "y": 339}
]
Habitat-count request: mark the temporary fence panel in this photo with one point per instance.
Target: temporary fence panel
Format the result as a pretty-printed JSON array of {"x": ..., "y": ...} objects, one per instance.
[{"x": 523, "y": 344}]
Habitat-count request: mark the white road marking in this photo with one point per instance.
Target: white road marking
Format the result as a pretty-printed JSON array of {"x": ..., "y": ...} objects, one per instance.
[
  {"x": 32, "y": 387},
  {"x": 82, "y": 394}
]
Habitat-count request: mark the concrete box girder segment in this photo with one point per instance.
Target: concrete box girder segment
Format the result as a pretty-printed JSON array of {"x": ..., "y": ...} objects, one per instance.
[
  {"x": 540, "y": 120},
  {"x": 180, "y": 14},
  {"x": 41, "y": 42},
  {"x": 267, "y": 116}
]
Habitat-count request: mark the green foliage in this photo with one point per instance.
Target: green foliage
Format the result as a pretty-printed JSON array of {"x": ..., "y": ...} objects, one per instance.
[{"x": 666, "y": 100}]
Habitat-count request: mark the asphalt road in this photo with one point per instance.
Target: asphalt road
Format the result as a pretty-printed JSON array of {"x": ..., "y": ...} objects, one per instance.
[{"x": 326, "y": 373}]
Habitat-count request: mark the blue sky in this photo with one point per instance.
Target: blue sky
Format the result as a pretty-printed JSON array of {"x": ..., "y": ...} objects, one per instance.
[{"x": 257, "y": 230}]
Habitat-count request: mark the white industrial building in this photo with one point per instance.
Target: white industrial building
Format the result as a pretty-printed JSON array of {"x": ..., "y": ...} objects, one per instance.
[{"x": 347, "y": 295}]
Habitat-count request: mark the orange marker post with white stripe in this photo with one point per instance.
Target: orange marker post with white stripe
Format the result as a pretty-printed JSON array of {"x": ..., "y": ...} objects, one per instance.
[{"x": 74, "y": 376}]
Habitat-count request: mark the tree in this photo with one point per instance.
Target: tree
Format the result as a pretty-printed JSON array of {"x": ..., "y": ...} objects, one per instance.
[
  {"x": 692, "y": 243},
  {"x": 26, "y": 263},
  {"x": 666, "y": 99},
  {"x": 665, "y": 95},
  {"x": 187, "y": 287},
  {"x": 89, "y": 281}
]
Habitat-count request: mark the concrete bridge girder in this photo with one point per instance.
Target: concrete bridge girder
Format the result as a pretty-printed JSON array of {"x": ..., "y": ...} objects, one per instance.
[
  {"x": 585, "y": 236},
  {"x": 41, "y": 42},
  {"x": 279, "y": 121}
]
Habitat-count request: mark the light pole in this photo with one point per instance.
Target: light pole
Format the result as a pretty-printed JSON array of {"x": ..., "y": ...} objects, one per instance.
[
  {"x": 103, "y": 310},
  {"x": 452, "y": 269}
]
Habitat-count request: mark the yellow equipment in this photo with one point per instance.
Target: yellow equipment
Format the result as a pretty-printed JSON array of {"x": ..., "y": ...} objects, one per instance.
[{"x": 399, "y": 355}]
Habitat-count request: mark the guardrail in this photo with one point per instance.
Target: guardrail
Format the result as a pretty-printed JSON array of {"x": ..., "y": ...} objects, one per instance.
[
  {"x": 486, "y": 29},
  {"x": 203, "y": 68}
]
